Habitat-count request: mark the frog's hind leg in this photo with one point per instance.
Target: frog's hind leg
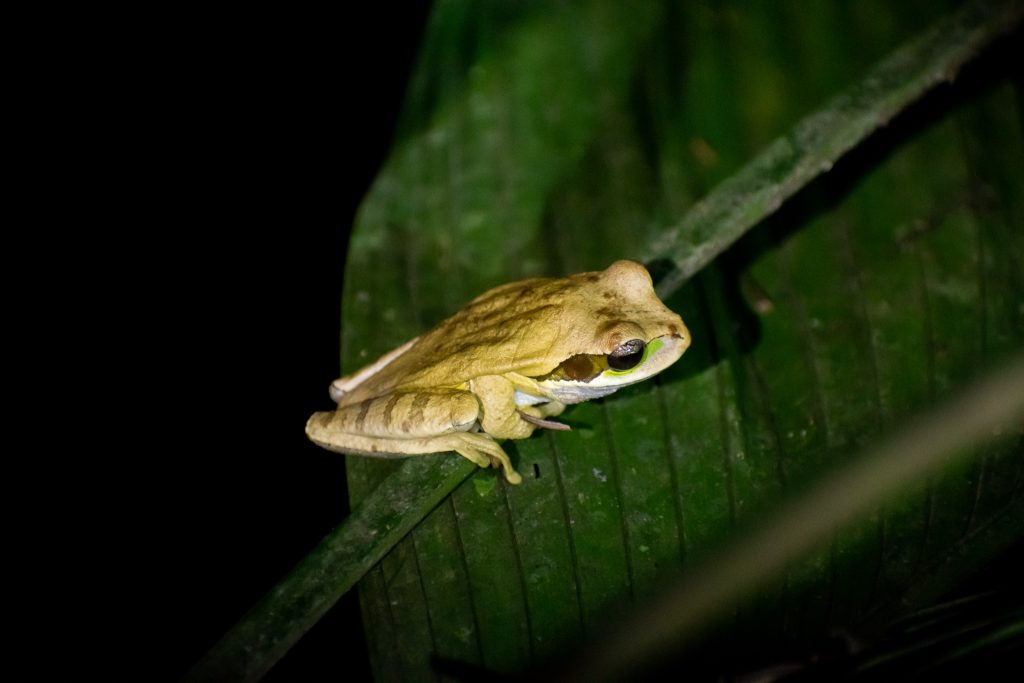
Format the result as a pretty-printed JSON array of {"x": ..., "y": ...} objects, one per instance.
[
  {"x": 410, "y": 423},
  {"x": 481, "y": 449},
  {"x": 399, "y": 415}
]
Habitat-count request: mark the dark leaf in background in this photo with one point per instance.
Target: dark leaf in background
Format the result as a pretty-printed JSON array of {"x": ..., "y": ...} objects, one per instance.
[
  {"x": 553, "y": 139},
  {"x": 558, "y": 140}
]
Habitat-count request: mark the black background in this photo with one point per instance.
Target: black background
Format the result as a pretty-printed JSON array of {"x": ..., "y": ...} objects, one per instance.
[
  {"x": 296, "y": 115},
  {"x": 180, "y": 302},
  {"x": 184, "y": 291}
]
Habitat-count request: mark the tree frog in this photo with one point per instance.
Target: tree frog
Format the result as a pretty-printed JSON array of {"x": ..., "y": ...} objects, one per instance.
[{"x": 514, "y": 357}]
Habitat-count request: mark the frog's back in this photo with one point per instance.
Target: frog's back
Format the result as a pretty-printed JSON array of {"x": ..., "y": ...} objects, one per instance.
[
  {"x": 490, "y": 335},
  {"x": 527, "y": 327}
]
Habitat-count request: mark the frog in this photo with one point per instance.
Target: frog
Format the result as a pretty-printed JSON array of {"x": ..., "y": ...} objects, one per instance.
[{"x": 504, "y": 365}]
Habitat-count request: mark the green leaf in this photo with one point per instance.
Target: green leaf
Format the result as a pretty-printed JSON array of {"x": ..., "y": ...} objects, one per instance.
[
  {"x": 555, "y": 138},
  {"x": 927, "y": 445},
  {"x": 882, "y": 281}
]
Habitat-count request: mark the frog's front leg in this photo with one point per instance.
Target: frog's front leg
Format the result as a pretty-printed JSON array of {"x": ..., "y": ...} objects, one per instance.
[
  {"x": 501, "y": 416},
  {"x": 410, "y": 423}
]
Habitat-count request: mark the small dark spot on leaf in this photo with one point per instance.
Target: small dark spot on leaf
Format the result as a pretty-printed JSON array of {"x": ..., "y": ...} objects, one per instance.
[{"x": 536, "y": 471}]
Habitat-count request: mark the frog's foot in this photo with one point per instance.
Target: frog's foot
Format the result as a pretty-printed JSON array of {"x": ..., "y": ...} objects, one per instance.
[
  {"x": 482, "y": 450},
  {"x": 545, "y": 424}
]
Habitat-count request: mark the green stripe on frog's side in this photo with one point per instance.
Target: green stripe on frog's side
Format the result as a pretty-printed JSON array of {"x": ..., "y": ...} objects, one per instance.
[{"x": 649, "y": 350}]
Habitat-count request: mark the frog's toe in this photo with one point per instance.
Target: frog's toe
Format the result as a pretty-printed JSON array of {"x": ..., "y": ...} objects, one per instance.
[
  {"x": 500, "y": 459},
  {"x": 476, "y": 457},
  {"x": 485, "y": 452}
]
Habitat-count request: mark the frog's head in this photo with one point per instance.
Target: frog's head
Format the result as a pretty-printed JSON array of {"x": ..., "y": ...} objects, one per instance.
[{"x": 625, "y": 335}]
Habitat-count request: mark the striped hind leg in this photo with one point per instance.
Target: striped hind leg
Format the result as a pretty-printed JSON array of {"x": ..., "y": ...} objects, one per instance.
[{"x": 410, "y": 423}]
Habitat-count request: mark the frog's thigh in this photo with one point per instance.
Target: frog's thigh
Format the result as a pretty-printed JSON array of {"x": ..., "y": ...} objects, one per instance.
[
  {"x": 412, "y": 423},
  {"x": 399, "y": 416}
]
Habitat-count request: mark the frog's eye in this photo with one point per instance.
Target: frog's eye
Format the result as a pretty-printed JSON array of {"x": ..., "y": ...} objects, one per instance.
[{"x": 627, "y": 355}]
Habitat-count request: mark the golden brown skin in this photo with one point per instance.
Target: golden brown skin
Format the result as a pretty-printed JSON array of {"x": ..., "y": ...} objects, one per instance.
[{"x": 488, "y": 365}]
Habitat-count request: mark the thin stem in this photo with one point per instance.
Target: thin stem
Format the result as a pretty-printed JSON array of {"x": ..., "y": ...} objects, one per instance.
[{"x": 820, "y": 139}]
